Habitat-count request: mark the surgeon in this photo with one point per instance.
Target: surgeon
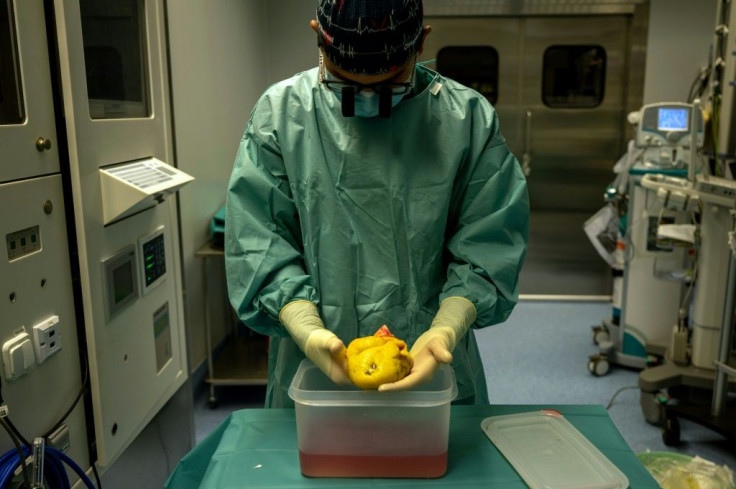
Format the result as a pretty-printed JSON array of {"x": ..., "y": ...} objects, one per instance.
[{"x": 371, "y": 190}]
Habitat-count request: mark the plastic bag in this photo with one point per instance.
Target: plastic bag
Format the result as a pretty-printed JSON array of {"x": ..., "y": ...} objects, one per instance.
[
  {"x": 602, "y": 231},
  {"x": 678, "y": 471}
]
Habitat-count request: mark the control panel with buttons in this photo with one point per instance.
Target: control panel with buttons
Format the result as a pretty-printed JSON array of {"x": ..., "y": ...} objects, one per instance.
[{"x": 152, "y": 249}]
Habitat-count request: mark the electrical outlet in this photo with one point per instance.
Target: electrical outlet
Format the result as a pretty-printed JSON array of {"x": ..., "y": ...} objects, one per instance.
[
  {"x": 47, "y": 338},
  {"x": 18, "y": 355}
]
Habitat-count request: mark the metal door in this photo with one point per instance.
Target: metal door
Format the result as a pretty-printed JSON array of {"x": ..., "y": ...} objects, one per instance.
[
  {"x": 27, "y": 129},
  {"x": 561, "y": 96},
  {"x": 573, "y": 71},
  {"x": 461, "y": 39}
]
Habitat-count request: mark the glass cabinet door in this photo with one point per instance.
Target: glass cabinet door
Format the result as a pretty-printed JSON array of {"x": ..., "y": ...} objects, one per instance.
[
  {"x": 27, "y": 129},
  {"x": 113, "y": 33},
  {"x": 11, "y": 98}
]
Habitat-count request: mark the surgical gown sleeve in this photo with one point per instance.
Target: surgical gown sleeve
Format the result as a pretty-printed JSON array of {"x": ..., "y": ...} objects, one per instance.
[
  {"x": 263, "y": 251},
  {"x": 489, "y": 223}
]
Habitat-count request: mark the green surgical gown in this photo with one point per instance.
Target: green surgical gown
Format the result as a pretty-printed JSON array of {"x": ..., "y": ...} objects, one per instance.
[{"x": 374, "y": 219}]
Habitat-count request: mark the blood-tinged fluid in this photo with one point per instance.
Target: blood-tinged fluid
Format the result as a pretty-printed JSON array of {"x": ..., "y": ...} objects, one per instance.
[{"x": 419, "y": 466}]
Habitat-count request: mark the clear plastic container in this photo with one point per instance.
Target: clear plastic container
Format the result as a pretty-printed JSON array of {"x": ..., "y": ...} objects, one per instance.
[
  {"x": 348, "y": 432},
  {"x": 550, "y": 453}
]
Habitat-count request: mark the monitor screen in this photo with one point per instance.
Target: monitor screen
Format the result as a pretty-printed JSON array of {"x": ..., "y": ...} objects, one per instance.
[
  {"x": 122, "y": 280},
  {"x": 672, "y": 119}
]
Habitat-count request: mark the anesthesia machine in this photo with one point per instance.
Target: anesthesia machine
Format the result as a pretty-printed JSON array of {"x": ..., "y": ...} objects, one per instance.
[
  {"x": 699, "y": 357},
  {"x": 698, "y": 369},
  {"x": 654, "y": 267}
]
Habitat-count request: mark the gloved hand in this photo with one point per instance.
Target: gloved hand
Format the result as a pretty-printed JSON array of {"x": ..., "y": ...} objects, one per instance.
[
  {"x": 301, "y": 319},
  {"x": 434, "y": 347}
]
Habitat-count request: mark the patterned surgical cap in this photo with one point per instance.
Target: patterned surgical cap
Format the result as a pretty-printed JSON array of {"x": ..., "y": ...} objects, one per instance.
[{"x": 369, "y": 37}]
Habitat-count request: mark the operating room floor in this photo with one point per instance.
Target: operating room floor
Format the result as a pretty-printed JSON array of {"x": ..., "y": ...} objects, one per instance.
[{"x": 539, "y": 356}]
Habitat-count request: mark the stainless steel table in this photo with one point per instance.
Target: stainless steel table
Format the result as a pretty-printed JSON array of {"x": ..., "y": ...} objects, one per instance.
[{"x": 242, "y": 359}]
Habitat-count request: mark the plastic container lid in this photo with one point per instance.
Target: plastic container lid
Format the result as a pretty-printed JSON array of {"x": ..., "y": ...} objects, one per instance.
[
  {"x": 312, "y": 387},
  {"x": 550, "y": 453}
]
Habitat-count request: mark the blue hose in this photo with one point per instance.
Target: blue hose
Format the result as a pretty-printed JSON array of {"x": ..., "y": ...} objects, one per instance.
[
  {"x": 8, "y": 462},
  {"x": 72, "y": 464},
  {"x": 54, "y": 471}
]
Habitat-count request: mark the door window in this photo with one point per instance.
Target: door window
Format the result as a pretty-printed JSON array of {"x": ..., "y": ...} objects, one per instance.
[
  {"x": 11, "y": 86},
  {"x": 573, "y": 76},
  {"x": 473, "y": 66},
  {"x": 114, "y": 40}
]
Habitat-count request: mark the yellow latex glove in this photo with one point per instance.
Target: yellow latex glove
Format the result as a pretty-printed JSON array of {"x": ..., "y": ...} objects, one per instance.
[
  {"x": 434, "y": 347},
  {"x": 327, "y": 351}
]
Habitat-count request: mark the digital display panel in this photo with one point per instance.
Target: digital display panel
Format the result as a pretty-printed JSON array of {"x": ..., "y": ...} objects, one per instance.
[
  {"x": 672, "y": 119},
  {"x": 122, "y": 280}
]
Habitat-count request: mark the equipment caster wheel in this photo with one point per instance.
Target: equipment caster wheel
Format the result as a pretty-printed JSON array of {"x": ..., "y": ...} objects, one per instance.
[
  {"x": 599, "y": 334},
  {"x": 671, "y": 431},
  {"x": 212, "y": 403},
  {"x": 598, "y": 365}
]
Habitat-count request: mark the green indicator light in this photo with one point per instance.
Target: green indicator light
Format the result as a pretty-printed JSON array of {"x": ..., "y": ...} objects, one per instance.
[{"x": 149, "y": 266}]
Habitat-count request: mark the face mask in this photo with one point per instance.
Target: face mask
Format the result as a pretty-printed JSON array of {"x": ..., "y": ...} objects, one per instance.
[{"x": 366, "y": 102}]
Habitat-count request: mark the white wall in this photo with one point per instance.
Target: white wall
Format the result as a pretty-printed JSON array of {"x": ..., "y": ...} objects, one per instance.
[
  {"x": 218, "y": 55},
  {"x": 680, "y": 35},
  {"x": 292, "y": 42}
]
